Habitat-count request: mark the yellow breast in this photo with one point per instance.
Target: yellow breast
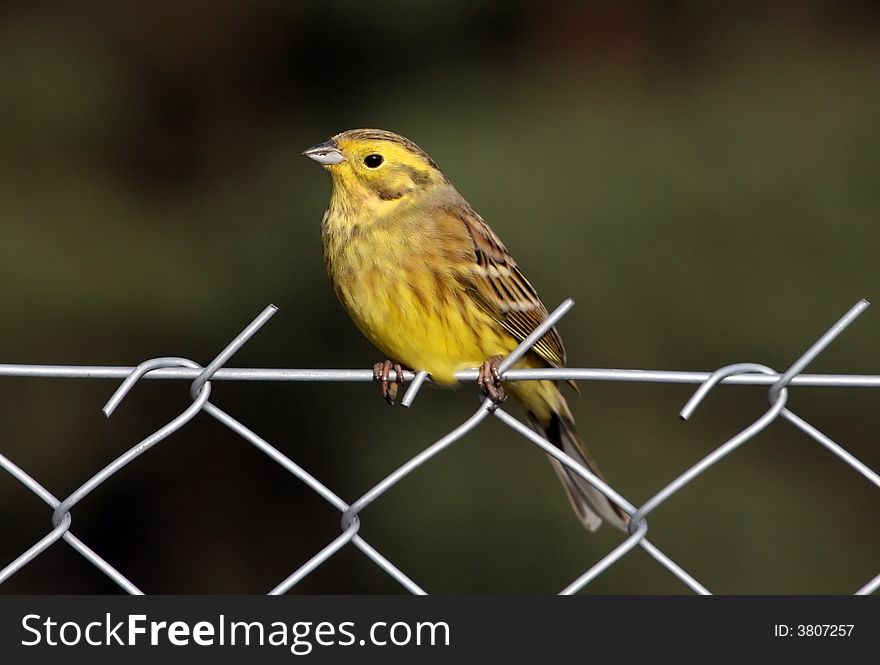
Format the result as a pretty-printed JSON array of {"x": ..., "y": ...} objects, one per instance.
[{"x": 400, "y": 287}]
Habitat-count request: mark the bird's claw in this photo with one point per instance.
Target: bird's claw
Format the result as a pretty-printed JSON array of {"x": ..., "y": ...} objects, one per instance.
[
  {"x": 381, "y": 372},
  {"x": 489, "y": 379}
]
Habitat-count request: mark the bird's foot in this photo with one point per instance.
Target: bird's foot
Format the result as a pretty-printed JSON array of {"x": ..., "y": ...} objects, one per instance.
[
  {"x": 381, "y": 372},
  {"x": 490, "y": 380}
]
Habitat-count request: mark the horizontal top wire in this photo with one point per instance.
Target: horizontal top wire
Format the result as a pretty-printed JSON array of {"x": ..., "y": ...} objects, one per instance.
[
  {"x": 562, "y": 373},
  {"x": 741, "y": 373}
]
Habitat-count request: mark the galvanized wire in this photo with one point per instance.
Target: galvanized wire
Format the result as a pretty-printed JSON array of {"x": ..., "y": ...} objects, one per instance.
[{"x": 778, "y": 385}]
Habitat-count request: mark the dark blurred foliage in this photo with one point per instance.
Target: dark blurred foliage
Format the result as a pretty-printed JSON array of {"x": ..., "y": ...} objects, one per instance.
[{"x": 703, "y": 181}]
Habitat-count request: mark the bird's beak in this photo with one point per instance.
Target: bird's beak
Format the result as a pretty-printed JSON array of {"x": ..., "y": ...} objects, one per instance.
[{"x": 325, "y": 153}]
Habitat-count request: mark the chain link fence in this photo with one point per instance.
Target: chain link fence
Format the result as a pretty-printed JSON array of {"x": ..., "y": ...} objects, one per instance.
[{"x": 201, "y": 377}]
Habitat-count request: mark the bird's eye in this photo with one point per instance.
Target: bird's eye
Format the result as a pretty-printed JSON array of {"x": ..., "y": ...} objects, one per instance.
[{"x": 373, "y": 161}]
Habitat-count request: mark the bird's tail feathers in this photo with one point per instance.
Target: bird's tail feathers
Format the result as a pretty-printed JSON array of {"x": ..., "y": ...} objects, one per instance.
[{"x": 590, "y": 505}]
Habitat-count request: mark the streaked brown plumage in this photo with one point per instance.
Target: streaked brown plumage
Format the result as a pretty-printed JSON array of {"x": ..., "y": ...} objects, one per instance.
[{"x": 434, "y": 288}]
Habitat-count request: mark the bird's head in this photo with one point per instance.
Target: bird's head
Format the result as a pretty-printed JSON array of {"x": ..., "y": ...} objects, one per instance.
[{"x": 373, "y": 164}]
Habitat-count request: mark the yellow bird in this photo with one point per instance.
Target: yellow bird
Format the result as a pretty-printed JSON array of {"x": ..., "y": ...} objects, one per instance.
[{"x": 432, "y": 286}]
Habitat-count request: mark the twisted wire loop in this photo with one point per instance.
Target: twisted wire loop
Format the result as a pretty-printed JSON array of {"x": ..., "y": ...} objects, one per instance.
[
  {"x": 200, "y": 391},
  {"x": 61, "y": 518},
  {"x": 777, "y": 395},
  {"x": 350, "y": 521}
]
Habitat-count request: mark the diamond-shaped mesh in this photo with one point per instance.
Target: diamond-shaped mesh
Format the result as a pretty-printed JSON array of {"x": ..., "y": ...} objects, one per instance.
[{"x": 182, "y": 368}]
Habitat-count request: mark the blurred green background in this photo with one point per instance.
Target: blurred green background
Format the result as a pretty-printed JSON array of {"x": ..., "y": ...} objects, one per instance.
[{"x": 704, "y": 183}]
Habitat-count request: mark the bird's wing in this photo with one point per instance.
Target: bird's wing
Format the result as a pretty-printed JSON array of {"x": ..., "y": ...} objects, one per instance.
[{"x": 499, "y": 287}]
